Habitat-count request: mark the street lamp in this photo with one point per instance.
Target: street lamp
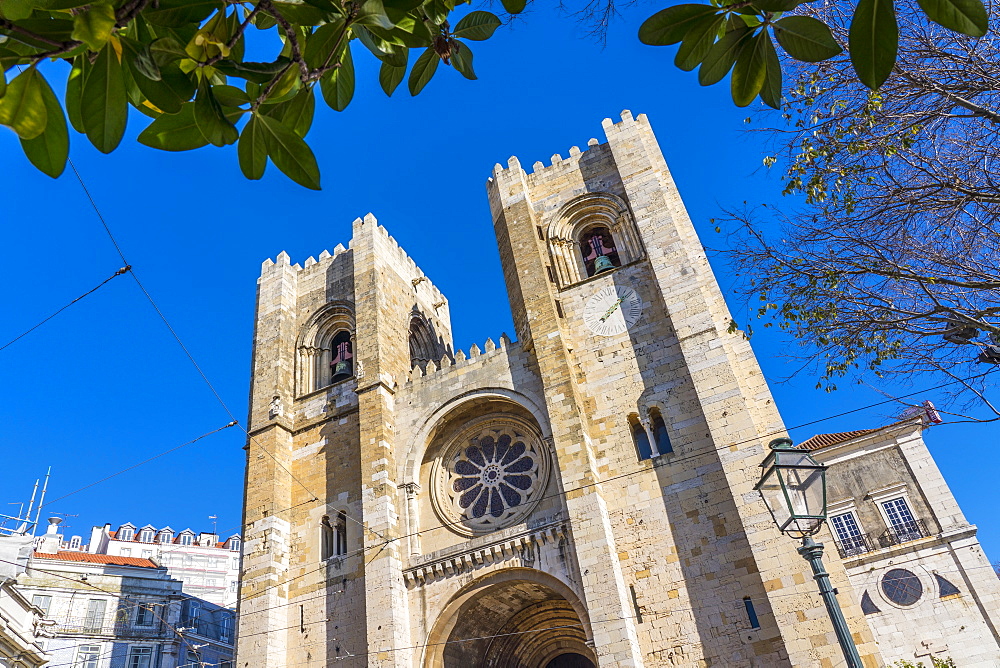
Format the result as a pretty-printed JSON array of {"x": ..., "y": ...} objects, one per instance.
[{"x": 793, "y": 486}]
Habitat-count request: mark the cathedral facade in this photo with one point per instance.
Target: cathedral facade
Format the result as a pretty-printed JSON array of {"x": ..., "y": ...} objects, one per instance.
[{"x": 580, "y": 494}]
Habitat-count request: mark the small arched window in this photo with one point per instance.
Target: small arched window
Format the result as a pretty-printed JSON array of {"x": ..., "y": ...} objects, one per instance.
[
  {"x": 333, "y": 536},
  {"x": 423, "y": 346},
  {"x": 186, "y": 538},
  {"x": 660, "y": 432},
  {"x": 342, "y": 362},
  {"x": 146, "y": 536},
  {"x": 325, "y": 538},
  {"x": 599, "y": 250},
  {"x": 165, "y": 536},
  {"x": 125, "y": 533},
  {"x": 340, "y": 534},
  {"x": 640, "y": 437}
]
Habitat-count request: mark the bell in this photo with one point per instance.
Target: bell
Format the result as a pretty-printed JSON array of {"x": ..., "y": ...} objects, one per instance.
[
  {"x": 342, "y": 369},
  {"x": 602, "y": 264}
]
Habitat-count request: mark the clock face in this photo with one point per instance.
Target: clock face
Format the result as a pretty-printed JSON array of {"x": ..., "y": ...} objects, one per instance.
[{"x": 612, "y": 310}]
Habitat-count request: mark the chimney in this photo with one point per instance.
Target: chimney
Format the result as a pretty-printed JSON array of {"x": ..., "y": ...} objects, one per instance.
[{"x": 50, "y": 542}]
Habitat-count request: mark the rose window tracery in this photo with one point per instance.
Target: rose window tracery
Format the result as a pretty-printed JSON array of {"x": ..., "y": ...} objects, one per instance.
[{"x": 490, "y": 477}]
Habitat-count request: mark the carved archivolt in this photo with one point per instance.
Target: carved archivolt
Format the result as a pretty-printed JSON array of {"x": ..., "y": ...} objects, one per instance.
[
  {"x": 490, "y": 476},
  {"x": 314, "y": 348},
  {"x": 579, "y": 216}
]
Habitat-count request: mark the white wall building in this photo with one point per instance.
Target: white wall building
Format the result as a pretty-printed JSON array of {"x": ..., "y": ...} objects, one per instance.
[
  {"x": 113, "y": 611},
  {"x": 208, "y": 567},
  {"x": 22, "y": 640}
]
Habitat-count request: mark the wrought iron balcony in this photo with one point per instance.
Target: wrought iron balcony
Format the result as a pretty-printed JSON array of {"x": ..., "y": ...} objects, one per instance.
[
  {"x": 903, "y": 533},
  {"x": 865, "y": 543}
]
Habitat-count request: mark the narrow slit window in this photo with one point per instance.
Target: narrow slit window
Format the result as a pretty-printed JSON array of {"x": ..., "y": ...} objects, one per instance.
[
  {"x": 640, "y": 438},
  {"x": 340, "y": 535},
  {"x": 326, "y": 538},
  {"x": 660, "y": 432},
  {"x": 751, "y": 613}
]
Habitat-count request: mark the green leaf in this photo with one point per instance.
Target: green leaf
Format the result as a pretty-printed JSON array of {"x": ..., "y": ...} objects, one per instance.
[
  {"x": 478, "y": 25},
  {"x": 514, "y": 6},
  {"x": 436, "y": 11},
  {"x": 178, "y": 13},
  {"x": 750, "y": 72},
  {"x": 407, "y": 32},
  {"x": 775, "y": 5},
  {"x": 59, "y": 30},
  {"x": 668, "y": 26},
  {"x": 3, "y": 82},
  {"x": 290, "y": 153},
  {"x": 174, "y": 132},
  {"x": 338, "y": 84},
  {"x": 169, "y": 90},
  {"x": 461, "y": 58},
  {"x": 722, "y": 56},
  {"x": 214, "y": 125},
  {"x": 423, "y": 70},
  {"x": 93, "y": 27},
  {"x": 319, "y": 48},
  {"x": 372, "y": 13},
  {"x": 697, "y": 41},
  {"x": 16, "y": 10},
  {"x": 22, "y": 108},
  {"x": 297, "y": 113},
  {"x": 49, "y": 150},
  {"x": 389, "y": 77},
  {"x": 874, "y": 41},
  {"x": 380, "y": 48},
  {"x": 141, "y": 59},
  {"x": 286, "y": 86},
  {"x": 771, "y": 92},
  {"x": 256, "y": 72},
  {"x": 806, "y": 39},
  {"x": 74, "y": 86},
  {"x": 230, "y": 96},
  {"x": 965, "y": 16},
  {"x": 252, "y": 150},
  {"x": 300, "y": 14},
  {"x": 103, "y": 104},
  {"x": 401, "y": 6}
]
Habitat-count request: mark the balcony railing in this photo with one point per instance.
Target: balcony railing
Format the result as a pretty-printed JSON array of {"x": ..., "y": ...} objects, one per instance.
[
  {"x": 90, "y": 627},
  {"x": 865, "y": 543},
  {"x": 903, "y": 533}
]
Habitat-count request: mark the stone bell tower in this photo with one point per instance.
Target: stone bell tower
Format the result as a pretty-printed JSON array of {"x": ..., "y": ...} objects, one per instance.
[{"x": 581, "y": 496}]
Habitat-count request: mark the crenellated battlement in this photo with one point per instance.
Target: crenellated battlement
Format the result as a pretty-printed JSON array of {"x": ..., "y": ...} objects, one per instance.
[
  {"x": 438, "y": 369},
  {"x": 557, "y": 162},
  {"x": 283, "y": 259}
]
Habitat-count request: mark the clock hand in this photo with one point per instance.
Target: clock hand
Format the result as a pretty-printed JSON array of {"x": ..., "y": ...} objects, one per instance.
[{"x": 614, "y": 307}]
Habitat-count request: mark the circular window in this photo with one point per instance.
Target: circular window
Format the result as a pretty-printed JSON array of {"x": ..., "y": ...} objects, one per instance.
[
  {"x": 491, "y": 476},
  {"x": 902, "y": 587}
]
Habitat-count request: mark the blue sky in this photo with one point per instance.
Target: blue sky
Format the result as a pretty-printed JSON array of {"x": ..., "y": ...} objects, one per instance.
[{"x": 104, "y": 386}]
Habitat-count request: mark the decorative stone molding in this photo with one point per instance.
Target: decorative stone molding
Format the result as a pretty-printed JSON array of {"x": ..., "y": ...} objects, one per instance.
[
  {"x": 489, "y": 476},
  {"x": 519, "y": 549}
]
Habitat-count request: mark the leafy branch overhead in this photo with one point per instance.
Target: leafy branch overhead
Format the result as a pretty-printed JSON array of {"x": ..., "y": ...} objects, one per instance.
[
  {"x": 181, "y": 63},
  {"x": 736, "y": 35}
]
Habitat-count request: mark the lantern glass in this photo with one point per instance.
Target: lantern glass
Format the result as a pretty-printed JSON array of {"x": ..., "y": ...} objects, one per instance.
[{"x": 793, "y": 486}]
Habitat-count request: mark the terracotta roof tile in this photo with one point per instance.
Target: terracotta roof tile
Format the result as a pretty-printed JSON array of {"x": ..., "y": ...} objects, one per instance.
[
  {"x": 826, "y": 440},
  {"x": 89, "y": 558}
]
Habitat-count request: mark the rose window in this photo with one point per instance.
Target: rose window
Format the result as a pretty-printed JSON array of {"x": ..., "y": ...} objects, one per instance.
[{"x": 491, "y": 477}]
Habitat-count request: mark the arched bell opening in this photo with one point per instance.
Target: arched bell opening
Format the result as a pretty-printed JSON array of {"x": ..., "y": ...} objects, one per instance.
[
  {"x": 599, "y": 250},
  {"x": 342, "y": 364},
  {"x": 512, "y": 619}
]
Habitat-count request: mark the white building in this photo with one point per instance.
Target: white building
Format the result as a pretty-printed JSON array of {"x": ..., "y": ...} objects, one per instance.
[
  {"x": 112, "y": 611},
  {"x": 21, "y": 629},
  {"x": 922, "y": 579},
  {"x": 208, "y": 567}
]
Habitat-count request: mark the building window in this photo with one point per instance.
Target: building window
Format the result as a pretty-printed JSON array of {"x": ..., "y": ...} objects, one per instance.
[
  {"x": 326, "y": 538},
  {"x": 867, "y": 605},
  {"x": 94, "y": 620},
  {"x": 210, "y": 582},
  {"x": 165, "y": 537},
  {"x": 144, "y": 614},
  {"x": 88, "y": 656},
  {"x": 146, "y": 554},
  {"x": 74, "y": 543},
  {"x": 236, "y": 563},
  {"x": 139, "y": 657},
  {"x": 232, "y": 586},
  {"x": 849, "y": 537},
  {"x": 126, "y": 552},
  {"x": 225, "y": 628},
  {"x": 751, "y": 613},
  {"x": 146, "y": 536},
  {"x": 901, "y": 520},
  {"x": 901, "y": 586},
  {"x": 125, "y": 533},
  {"x": 42, "y": 601},
  {"x": 660, "y": 432},
  {"x": 599, "y": 251},
  {"x": 186, "y": 538},
  {"x": 640, "y": 438},
  {"x": 945, "y": 588},
  {"x": 234, "y": 544}
]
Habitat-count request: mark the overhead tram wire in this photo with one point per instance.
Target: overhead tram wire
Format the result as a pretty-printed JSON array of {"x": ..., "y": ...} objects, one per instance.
[{"x": 100, "y": 285}]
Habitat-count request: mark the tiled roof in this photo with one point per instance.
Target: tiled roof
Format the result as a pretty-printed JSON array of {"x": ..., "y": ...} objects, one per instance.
[
  {"x": 826, "y": 440},
  {"x": 89, "y": 558}
]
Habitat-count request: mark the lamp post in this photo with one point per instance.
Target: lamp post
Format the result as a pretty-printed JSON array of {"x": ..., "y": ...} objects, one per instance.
[{"x": 793, "y": 485}]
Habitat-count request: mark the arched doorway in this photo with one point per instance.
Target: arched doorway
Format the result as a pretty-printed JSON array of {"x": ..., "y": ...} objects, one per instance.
[{"x": 513, "y": 619}]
